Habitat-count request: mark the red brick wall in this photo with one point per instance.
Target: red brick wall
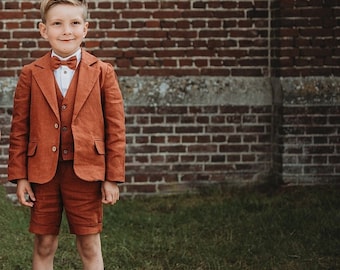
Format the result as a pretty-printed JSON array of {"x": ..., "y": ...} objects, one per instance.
[
  {"x": 305, "y": 38},
  {"x": 218, "y": 38},
  {"x": 179, "y": 147},
  {"x": 311, "y": 136},
  {"x": 307, "y": 131},
  {"x": 162, "y": 38}
]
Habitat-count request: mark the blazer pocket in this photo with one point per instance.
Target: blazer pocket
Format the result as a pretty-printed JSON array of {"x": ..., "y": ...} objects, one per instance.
[
  {"x": 32, "y": 148},
  {"x": 100, "y": 147}
]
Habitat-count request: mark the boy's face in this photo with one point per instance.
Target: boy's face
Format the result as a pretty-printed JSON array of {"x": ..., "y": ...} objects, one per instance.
[{"x": 64, "y": 29}]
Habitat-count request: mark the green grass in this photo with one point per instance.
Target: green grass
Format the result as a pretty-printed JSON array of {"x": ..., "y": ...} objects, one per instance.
[{"x": 287, "y": 228}]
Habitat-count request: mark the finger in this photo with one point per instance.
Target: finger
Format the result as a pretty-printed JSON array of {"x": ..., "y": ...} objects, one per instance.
[
  {"x": 21, "y": 197},
  {"x": 31, "y": 194},
  {"x": 107, "y": 202},
  {"x": 106, "y": 199},
  {"x": 115, "y": 197},
  {"x": 103, "y": 194},
  {"x": 110, "y": 199},
  {"x": 22, "y": 200},
  {"x": 28, "y": 204}
]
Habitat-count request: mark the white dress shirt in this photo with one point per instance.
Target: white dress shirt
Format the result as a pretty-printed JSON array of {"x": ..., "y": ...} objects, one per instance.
[{"x": 64, "y": 74}]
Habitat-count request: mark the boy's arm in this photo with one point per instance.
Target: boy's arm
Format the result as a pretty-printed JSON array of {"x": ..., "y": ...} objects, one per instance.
[
  {"x": 113, "y": 109},
  {"x": 17, "y": 168}
]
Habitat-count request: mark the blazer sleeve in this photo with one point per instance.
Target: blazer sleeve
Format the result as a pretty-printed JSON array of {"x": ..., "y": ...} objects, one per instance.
[
  {"x": 114, "y": 121},
  {"x": 17, "y": 162}
]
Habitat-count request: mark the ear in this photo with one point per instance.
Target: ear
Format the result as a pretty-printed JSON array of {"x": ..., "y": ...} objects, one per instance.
[
  {"x": 43, "y": 30},
  {"x": 86, "y": 27}
]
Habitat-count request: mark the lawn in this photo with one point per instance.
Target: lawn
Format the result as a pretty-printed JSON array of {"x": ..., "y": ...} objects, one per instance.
[{"x": 283, "y": 228}]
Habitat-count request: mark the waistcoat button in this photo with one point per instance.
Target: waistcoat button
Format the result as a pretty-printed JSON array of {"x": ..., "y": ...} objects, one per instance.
[{"x": 63, "y": 107}]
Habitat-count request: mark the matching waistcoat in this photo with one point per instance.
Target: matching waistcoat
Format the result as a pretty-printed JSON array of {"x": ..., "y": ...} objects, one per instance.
[{"x": 66, "y": 106}]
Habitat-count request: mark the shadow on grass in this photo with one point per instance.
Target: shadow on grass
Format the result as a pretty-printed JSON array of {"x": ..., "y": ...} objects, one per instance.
[{"x": 219, "y": 228}]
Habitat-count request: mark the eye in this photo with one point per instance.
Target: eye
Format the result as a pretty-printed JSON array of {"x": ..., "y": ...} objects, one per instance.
[
  {"x": 76, "y": 22},
  {"x": 56, "y": 23}
]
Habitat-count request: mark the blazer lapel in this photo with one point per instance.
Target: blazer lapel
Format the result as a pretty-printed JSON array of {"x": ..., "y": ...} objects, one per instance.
[
  {"x": 87, "y": 78},
  {"x": 45, "y": 79}
]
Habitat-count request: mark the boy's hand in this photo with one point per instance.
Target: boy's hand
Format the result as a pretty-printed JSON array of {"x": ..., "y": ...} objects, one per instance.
[
  {"x": 110, "y": 192},
  {"x": 24, "y": 188}
]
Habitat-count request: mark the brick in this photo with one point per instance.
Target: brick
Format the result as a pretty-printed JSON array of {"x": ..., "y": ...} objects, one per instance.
[
  {"x": 321, "y": 130},
  {"x": 315, "y": 170},
  {"x": 121, "y": 24},
  {"x": 188, "y": 139},
  {"x": 157, "y": 129},
  {"x": 189, "y": 129},
  {"x": 213, "y": 33},
  {"x": 142, "y": 149},
  {"x": 220, "y": 129},
  {"x": 177, "y": 110},
  {"x": 158, "y": 139},
  {"x": 172, "y": 149},
  {"x": 142, "y": 159},
  {"x": 234, "y": 139},
  {"x": 142, "y": 139},
  {"x": 203, "y": 139},
  {"x": 220, "y": 167},
  {"x": 233, "y": 158},
  {"x": 122, "y": 33},
  {"x": 104, "y": 5},
  {"x": 214, "y": 72},
  {"x": 172, "y": 158},
  {"x": 151, "y": 5},
  {"x": 320, "y": 149},
  {"x": 163, "y": 14},
  {"x": 104, "y": 14},
  {"x": 120, "y": 5},
  {"x": 152, "y": 34},
  {"x": 234, "y": 148}
]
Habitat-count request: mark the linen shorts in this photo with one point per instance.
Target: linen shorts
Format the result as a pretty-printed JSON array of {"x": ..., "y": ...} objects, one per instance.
[{"x": 81, "y": 200}]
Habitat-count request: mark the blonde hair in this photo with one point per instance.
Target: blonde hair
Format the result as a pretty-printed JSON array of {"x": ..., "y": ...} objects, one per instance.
[{"x": 46, "y": 5}]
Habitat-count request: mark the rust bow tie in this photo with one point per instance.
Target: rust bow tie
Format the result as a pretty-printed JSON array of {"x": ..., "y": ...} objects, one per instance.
[{"x": 56, "y": 62}]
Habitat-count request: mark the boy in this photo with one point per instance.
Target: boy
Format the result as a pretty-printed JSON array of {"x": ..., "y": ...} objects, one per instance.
[{"x": 67, "y": 142}]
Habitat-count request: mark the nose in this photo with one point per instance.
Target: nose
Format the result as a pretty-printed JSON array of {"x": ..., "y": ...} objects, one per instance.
[{"x": 67, "y": 30}]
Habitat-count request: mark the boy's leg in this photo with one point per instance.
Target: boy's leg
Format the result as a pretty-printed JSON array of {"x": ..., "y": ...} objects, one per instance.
[
  {"x": 89, "y": 248},
  {"x": 83, "y": 206},
  {"x": 45, "y": 222},
  {"x": 45, "y": 247}
]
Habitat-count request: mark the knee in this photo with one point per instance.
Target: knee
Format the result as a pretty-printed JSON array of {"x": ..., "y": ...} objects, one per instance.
[
  {"x": 89, "y": 247},
  {"x": 46, "y": 246}
]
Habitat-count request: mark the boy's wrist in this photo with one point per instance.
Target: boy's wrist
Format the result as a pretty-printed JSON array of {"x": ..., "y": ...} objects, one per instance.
[{"x": 113, "y": 181}]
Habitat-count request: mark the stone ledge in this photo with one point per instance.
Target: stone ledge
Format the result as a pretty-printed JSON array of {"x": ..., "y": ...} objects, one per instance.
[
  {"x": 196, "y": 90},
  {"x": 162, "y": 91},
  {"x": 311, "y": 90}
]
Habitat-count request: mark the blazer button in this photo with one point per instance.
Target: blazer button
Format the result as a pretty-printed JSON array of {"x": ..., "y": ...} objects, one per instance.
[
  {"x": 54, "y": 149},
  {"x": 56, "y": 125}
]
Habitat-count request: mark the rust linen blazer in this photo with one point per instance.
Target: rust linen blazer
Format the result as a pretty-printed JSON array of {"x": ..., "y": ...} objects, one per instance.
[{"x": 98, "y": 124}]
